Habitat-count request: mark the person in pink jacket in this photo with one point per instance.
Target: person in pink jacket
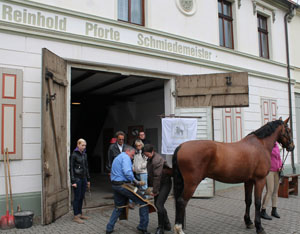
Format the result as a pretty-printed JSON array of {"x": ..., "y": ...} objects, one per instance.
[{"x": 272, "y": 184}]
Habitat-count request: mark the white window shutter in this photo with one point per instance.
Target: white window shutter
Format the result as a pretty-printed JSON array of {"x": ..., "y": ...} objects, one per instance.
[
  {"x": 11, "y": 94},
  {"x": 233, "y": 124},
  {"x": 269, "y": 110}
]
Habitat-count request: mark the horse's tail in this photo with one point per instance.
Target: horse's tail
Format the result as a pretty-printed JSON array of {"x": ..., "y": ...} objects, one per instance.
[{"x": 178, "y": 179}]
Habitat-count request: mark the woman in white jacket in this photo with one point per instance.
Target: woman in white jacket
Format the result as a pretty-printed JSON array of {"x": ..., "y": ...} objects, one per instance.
[{"x": 140, "y": 165}]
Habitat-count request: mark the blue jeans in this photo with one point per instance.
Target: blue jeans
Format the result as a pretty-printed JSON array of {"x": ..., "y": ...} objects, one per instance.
[
  {"x": 121, "y": 196},
  {"x": 143, "y": 177},
  {"x": 79, "y": 195}
]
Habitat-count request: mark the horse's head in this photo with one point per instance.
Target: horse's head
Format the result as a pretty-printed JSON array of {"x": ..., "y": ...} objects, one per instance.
[{"x": 285, "y": 137}]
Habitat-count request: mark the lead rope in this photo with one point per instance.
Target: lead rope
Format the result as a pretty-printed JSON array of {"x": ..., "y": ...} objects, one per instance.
[
  {"x": 284, "y": 158},
  {"x": 281, "y": 172}
]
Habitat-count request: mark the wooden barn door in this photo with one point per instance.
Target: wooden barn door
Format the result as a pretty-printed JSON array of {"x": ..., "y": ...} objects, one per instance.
[{"x": 55, "y": 192}]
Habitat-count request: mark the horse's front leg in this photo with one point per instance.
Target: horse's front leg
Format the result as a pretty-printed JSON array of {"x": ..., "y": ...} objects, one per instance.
[
  {"x": 259, "y": 186},
  {"x": 248, "y": 200}
]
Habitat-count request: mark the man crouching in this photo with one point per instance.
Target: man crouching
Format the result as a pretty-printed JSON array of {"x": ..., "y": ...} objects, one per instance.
[{"x": 121, "y": 172}]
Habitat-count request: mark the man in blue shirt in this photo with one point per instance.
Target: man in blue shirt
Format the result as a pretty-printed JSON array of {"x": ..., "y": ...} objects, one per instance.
[{"x": 121, "y": 172}]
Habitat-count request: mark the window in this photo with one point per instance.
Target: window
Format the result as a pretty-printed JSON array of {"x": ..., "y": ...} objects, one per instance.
[
  {"x": 131, "y": 11},
  {"x": 225, "y": 24},
  {"x": 263, "y": 36}
]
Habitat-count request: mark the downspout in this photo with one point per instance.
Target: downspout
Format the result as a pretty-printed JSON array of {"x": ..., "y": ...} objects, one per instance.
[{"x": 287, "y": 18}]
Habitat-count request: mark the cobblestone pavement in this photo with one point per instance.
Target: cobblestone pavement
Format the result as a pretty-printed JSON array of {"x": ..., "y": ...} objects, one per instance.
[{"x": 222, "y": 214}]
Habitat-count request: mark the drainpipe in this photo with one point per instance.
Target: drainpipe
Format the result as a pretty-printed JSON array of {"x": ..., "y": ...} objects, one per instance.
[{"x": 287, "y": 18}]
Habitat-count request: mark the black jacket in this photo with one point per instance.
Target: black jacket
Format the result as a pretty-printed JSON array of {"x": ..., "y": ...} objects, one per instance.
[
  {"x": 79, "y": 166},
  {"x": 113, "y": 151}
]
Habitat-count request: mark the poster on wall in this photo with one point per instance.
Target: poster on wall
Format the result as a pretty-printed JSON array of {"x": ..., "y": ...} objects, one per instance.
[{"x": 176, "y": 131}]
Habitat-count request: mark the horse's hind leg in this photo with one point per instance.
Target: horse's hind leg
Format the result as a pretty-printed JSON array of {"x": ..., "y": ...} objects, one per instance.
[
  {"x": 248, "y": 200},
  {"x": 180, "y": 213},
  {"x": 181, "y": 203},
  {"x": 259, "y": 186}
]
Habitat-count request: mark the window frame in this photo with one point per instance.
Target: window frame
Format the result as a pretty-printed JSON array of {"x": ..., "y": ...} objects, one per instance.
[
  {"x": 129, "y": 13},
  {"x": 227, "y": 18},
  {"x": 261, "y": 32}
]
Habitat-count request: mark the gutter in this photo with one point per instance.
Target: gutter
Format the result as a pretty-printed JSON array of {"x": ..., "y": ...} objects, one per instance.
[{"x": 287, "y": 18}]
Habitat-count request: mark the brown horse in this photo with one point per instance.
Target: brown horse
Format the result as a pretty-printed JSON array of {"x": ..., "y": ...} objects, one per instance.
[{"x": 245, "y": 161}]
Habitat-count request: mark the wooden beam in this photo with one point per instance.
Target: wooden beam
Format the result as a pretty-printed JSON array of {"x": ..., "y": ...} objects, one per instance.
[
  {"x": 106, "y": 83},
  {"x": 132, "y": 86},
  {"x": 146, "y": 91},
  {"x": 83, "y": 77},
  {"x": 211, "y": 91}
]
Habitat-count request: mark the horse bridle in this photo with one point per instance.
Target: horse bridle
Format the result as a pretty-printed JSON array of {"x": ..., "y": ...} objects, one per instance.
[{"x": 286, "y": 136}]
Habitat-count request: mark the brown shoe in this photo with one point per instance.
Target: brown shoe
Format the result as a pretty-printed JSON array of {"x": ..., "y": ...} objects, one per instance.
[
  {"x": 77, "y": 219},
  {"x": 84, "y": 217}
]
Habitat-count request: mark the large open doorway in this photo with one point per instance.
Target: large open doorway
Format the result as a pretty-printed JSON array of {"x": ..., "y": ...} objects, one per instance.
[{"x": 105, "y": 102}]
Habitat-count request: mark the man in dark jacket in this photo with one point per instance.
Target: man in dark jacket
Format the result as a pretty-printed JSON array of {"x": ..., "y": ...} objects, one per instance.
[
  {"x": 159, "y": 177},
  {"x": 116, "y": 148},
  {"x": 80, "y": 178}
]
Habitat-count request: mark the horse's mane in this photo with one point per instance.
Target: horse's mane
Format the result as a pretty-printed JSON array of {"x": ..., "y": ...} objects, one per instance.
[{"x": 267, "y": 129}]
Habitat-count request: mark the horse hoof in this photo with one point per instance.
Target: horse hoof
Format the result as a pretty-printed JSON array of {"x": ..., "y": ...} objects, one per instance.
[
  {"x": 250, "y": 226},
  {"x": 262, "y": 232},
  {"x": 178, "y": 229}
]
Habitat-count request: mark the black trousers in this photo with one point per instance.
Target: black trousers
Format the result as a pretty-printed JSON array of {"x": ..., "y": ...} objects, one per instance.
[{"x": 160, "y": 200}]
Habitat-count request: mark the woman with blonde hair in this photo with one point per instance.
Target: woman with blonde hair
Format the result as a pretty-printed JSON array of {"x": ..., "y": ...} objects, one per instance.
[
  {"x": 80, "y": 178},
  {"x": 140, "y": 165}
]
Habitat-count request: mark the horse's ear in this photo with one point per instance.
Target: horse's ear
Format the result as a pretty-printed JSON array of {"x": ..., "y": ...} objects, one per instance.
[
  {"x": 280, "y": 118},
  {"x": 287, "y": 120}
]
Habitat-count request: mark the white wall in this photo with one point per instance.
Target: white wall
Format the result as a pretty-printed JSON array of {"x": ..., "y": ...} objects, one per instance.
[
  {"x": 166, "y": 17},
  {"x": 202, "y": 26},
  {"x": 294, "y": 35},
  {"x": 101, "y": 8},
  {"x": 26, "y": 173}
]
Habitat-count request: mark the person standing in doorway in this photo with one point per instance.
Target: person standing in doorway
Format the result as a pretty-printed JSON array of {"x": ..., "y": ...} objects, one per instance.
[
  {"x": 272, "y": 184},
  {"x": 142, "y": 137},
  {"x": 80, "y": 178},
  {"x": 159, "y": 176},
  {"x": 140, "y": 165},
  {"x": 116, "y": 148},
  {"x": 121, "y": 172}
]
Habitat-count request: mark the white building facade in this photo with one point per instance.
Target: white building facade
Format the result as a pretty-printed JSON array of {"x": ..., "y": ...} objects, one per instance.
[{"x": 141, "y": 47}]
